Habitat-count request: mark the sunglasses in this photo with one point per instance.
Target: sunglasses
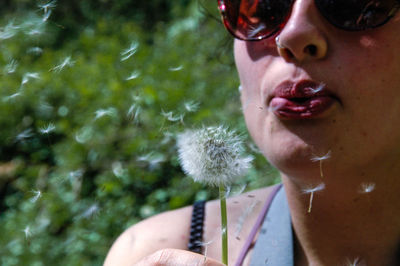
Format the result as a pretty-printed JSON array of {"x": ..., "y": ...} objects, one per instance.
[{"x": 253, "y": 20}]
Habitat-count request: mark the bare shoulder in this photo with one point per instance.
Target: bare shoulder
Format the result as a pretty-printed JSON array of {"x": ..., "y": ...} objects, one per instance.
[{"x": 166, "y": 230}]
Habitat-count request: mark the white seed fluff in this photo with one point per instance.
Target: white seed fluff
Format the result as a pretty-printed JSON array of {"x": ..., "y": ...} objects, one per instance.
[{"x": 212, "y": 155}]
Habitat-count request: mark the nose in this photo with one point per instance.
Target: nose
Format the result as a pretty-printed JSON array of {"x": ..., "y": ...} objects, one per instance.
[{"x": 302, "y": 39}]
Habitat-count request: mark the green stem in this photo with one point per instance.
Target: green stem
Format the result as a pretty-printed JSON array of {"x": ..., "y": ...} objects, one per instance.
[{"x": 224, "y": 227}]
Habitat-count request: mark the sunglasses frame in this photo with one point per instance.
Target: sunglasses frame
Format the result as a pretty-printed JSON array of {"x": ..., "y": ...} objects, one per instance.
[{"x": 222, "y": 10}]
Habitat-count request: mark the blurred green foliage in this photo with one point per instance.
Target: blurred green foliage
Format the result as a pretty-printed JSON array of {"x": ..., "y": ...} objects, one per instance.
[{"x": 88, "y": 125}]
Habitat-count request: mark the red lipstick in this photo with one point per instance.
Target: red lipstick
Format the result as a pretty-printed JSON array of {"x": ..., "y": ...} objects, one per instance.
[{"x": 300, "y": 100}]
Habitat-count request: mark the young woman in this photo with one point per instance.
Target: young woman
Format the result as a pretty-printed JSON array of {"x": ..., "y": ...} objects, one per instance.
[{"x": 321, "y": 97}]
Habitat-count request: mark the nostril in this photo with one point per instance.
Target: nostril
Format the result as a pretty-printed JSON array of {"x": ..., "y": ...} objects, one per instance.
[{"x": 311, "y": 50}]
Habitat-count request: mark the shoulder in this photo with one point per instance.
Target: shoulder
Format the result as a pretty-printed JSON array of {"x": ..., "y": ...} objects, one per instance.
[
  {"x": 166, "y": 230},
  {"x": 172, "y": 229}
]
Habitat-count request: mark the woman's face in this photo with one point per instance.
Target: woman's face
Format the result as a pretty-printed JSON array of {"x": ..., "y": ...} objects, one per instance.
[{"x": 355, "y": 115}]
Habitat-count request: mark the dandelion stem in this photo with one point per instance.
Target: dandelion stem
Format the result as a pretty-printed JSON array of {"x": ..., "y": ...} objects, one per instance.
[{"x": 222, "y": 197}]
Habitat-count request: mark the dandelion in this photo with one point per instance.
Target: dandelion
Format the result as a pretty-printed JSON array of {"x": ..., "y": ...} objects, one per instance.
[
  {"x": 127, "y": 53},
  {"x": 366, "y": 187},
  {"x": 320, "y": 159},
  {"x": 67, "y": 62},
  {"x": 174, "y": 69},
  {"x": 320, "y": 87},
  {"x": 37, "y": 195},
  {"x": 47, "y": 129},
  {"x": 311, "y": 191},
  {"x": 213, "y": 155}
]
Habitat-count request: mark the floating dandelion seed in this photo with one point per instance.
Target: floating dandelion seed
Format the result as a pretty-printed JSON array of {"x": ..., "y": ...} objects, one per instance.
[
  {"x": 29, "y": 76},
  {"x": 171, "y": 117},
  {"x": 12, "y": 96},
  {"x": 11, "y": 67},
  {"x": 35, "y": 51},
  {"x": 153, "y": 160},
  {"x": 49, "y": 128},
  {"x": 367, "y": 187},
  {"x": 243, "y": 217},
  {"x": 213, "y": 155},
  {"x": 105, "y": 112},
  {"x": 67, "y": 62},
  {"x": 27, "y": 231},
  {"x": 311, "y": 191},
  {"x": 90, "y": 212},
  {"x": 28, "y": 133},
  {"x": 320, "y": 87},
  {"x": 355, "y": 262},
  {"x": 320, "y": 159},
  {"x": 118, "y": 169},
  {"x": 37, "y": 195},
  {"x": 133, "y": 112},
  {"x": 47, "y": 6},
  {"x": 8, "y": 31},
  {"x": 191, "y": 106},
  {"x": 127, "y": 53},
  {"x": 134, "y": 75},
  {"x": 173, "y": 69}
]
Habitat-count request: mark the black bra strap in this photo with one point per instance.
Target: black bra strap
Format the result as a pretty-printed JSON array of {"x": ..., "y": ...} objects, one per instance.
[{"x": 196, "y": 227}]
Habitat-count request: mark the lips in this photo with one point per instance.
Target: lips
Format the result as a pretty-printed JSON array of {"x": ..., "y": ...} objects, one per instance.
[{"x": 300, "y": 100}]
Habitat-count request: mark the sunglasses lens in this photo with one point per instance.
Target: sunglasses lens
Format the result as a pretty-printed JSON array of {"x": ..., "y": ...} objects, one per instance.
[
  {"x": 254, "y": 19},
  {"x": 356, "y": 15}
]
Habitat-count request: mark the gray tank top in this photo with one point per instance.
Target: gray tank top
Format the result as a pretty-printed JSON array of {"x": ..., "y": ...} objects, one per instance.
[{"x": 274, "y": 246}]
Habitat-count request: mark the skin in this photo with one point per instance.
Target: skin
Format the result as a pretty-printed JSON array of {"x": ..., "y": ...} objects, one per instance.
[{"x": 361, "y": 131}]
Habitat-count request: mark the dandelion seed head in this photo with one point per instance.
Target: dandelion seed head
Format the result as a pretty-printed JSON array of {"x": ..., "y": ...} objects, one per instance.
[{"x": 212, "y": 155}]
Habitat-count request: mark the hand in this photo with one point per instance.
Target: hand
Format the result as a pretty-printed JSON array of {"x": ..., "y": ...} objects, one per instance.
[{"x": 176, "y": 257}]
